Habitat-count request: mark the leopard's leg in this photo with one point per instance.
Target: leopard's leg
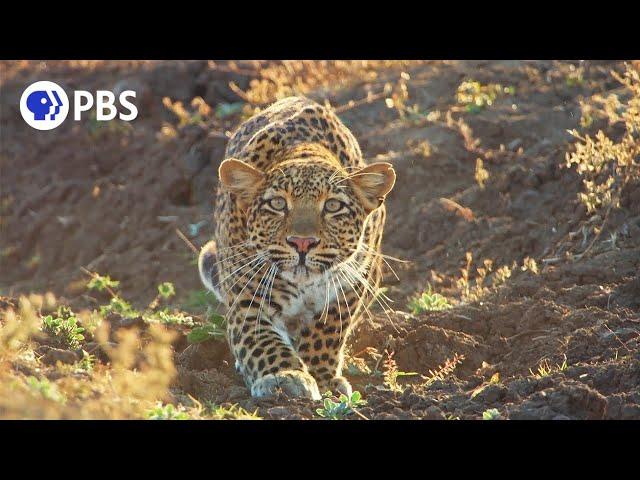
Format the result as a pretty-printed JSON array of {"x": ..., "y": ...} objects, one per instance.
[
  {"x": 321, "y": 344},
  {"x": 264, "y": 354}
]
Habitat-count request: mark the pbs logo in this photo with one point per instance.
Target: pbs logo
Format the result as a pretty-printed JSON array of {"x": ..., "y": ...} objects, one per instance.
[{"x": 44, "y": 105}]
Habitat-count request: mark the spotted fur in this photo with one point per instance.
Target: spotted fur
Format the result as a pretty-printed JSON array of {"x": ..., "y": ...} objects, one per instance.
[{"x": 294, "y": 171}]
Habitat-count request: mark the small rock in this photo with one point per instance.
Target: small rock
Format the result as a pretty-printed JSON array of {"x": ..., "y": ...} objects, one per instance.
[
  {"x": 491, "y": 393},
  {"x": 52, "y": 355},
  {"x": 94, "y": 348},
  {"x": 514, "y": 144},
  {"x": 433, "y": 413},
  {"x": 279, "y": 412},
  {"x": 386, "y": 416},
  {"x": 295, "y": 416}
]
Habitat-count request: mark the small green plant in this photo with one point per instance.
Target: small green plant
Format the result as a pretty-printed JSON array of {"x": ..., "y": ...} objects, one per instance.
[
  {"x": 444, "y": 370},
  {"x": 607, "y": 164},
  {"x": 233, "y": 412},
  {"x": 391, "y": 373},
  {"x": 529, "y": 264},
  {"x": 475, "y": 96},
  {"x": 87, "y": 362},
  {"x": 119, "y": 306},
  {"x": 495, "y": 379},
  {"x": 216, "y": 327},
  {"x": 200, "y": 300},
  {"x": 166, "y": 290},
  {"x": 185, "y": 117},
  {"x": 545, "y": 368},
  {"x": 491, "y": 414},
  {"x": 428, "y": 301},
  {"x": 63, "y": 329},
  {"x": 151, "y": 314},
  {"x": 101, "y": 283},
  {"x": 167, "y": 317},
  {"x": 338, "y": 410},
  {"x": 498, "y": 277},
  {"x": 224, "y": 110},
  {"x": 481, "y": 174},
  {"x": 166, "y": 412},
  {"x": 45, "y": 388},
  {"x": 575, "y": 77}
]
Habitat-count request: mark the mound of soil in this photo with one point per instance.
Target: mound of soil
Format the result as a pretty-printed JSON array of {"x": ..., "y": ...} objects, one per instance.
[{"x": 110, "y": 199}]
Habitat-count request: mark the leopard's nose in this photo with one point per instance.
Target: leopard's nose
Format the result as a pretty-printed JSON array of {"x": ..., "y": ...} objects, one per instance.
[{"x": 302, "y": 244}]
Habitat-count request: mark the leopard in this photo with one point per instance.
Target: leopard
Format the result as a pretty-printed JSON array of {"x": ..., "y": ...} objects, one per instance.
[{"x": 295, "y": 257}]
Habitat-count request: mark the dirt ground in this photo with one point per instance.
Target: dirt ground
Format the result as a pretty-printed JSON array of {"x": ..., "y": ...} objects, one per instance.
[{"x": 110, "y": 199}]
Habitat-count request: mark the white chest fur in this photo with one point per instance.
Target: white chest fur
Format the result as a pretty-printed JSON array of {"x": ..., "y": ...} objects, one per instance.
[{"x": 315, "y": 294}]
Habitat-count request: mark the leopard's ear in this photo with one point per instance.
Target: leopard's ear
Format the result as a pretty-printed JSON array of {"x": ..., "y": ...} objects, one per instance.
[
  {"x": 241, "y": 179},
  {"x": 373, "y": 183}
]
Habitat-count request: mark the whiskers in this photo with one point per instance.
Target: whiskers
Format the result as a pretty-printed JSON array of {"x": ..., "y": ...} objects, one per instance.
[
  {"x": 353, "y": 175},
  {"x": 270, "y": 278},
  {"x": 339, "y": 176},
  {"x": 363, "y": 248},
  {"x": 259, "y": 273},
  {"x": 255, "y": 262},
  {"x": 352, "y": 273},
  {"x": 243, "y": 268}
]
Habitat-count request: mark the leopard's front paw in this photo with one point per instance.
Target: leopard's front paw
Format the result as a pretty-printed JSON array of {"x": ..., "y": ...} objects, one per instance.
[
  {"x": 339, "y": 385},
  {"x": 294, "y": 383}
]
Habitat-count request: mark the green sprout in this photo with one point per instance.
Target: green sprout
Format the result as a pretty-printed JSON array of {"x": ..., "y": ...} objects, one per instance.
[
  {"x": 428, "y": 301},
  {"x": 214, "y": 328},
  {"x": 119, "y": 306},
  {"x": 63, "y": 329},
  {"x": 45, "y": 388},
  {"x": 166, "y": 412},
  {"x": 87, "y": 362},
  {"x": 338, "y": 410},
  {"x": 475, "y": 96},
  {"x": 224, "y": 110},
  {"x": 233, "y": 412},
  {"x": 101, "y": 283},
  {"x": 491, "y": 414},
  {"x": 167, "y": 317},
  {"x": 545, "y": 368},
  {"x": 200, "y": 300},
  {"x": 166, "y": 290}
]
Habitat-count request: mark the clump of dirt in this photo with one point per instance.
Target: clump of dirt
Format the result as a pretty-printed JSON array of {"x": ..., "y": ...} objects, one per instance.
[{"x": 484, "y": 212}]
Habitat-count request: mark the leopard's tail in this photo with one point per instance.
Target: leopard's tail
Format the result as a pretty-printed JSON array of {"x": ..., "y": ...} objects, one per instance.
[{"x": 208, "y": 268}]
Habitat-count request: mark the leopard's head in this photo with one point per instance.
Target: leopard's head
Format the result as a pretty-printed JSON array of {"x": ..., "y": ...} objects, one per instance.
[{"x": 306, "y": 214}]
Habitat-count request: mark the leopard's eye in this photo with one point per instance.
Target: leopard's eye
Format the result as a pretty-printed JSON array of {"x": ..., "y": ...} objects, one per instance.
[
  {"x": 332, "y": 205},
  {"x": 278, "y": 203}
]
